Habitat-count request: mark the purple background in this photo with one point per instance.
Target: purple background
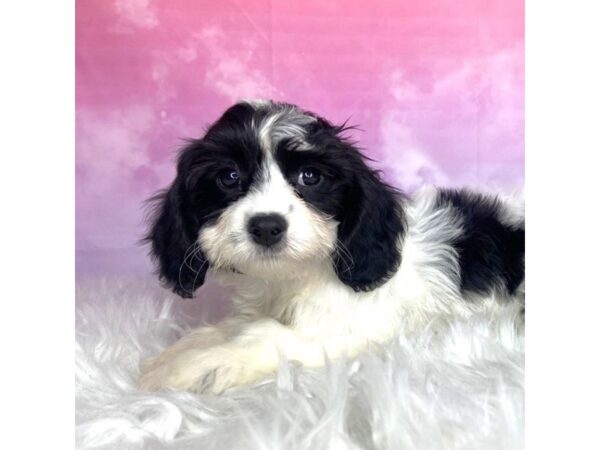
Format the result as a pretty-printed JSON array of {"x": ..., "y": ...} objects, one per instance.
[{"x": 435, "y": 85}]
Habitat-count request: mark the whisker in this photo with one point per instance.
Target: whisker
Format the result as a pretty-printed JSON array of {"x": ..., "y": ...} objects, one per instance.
[
  {"x": 198, "y": 273},
  {"x": 345, "y": 256},
  {"x": 191, "y": 252},
  {"x": 191, "y": 255}
]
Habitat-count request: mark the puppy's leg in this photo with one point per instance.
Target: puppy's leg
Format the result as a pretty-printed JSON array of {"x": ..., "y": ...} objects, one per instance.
[
  {"x": 197, "y": 339},
  {"x": 203, "y": 337},
  {"x": 243, "y": 359}
]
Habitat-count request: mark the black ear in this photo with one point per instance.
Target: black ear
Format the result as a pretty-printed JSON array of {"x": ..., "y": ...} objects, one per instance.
[
  {"x": 181, "y": 264},
  {"x": 370, "y": 233}
]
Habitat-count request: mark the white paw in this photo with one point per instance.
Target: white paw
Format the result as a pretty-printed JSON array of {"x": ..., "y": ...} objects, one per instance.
[{"x": 210, "y": 370}]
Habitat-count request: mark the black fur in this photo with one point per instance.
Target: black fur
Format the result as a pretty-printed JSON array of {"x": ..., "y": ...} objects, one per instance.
[
  {"x": 194, "y": 199},
  {"x": 371, "y": 221},
  {"x": 491, "y": 254}
]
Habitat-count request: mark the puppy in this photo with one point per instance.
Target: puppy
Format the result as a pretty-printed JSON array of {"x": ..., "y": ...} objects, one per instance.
[{"x": 325, "y": 259}]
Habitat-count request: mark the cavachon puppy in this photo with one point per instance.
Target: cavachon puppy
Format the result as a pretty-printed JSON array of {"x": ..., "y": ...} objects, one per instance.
[{"x": 325, "y": 259}]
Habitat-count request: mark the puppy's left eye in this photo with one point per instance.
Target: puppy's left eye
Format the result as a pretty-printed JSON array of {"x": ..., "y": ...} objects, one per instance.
[
  {"x": 309, "y": 176},
  {"x": 228, "y": 178}
]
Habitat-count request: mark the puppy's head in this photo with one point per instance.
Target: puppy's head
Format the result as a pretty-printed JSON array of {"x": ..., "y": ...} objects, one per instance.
[{"x": 269, "y": 190}]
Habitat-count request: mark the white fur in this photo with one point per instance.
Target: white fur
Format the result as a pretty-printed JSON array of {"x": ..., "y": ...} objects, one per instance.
[
  {"x": 457, "y": 384},
  {"x": 290, "y": 122},
  {"x": 310, "y": 237},
  {"x": 294, "y": 306}
]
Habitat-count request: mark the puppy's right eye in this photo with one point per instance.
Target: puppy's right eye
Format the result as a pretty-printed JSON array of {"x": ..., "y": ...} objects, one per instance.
[
  {"x": 309, "y": 177},
  {"x": 228, "y": 178}
]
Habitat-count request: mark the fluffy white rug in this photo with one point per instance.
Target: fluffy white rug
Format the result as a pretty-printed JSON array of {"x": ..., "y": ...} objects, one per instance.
[{"x": 459, "y": 385}]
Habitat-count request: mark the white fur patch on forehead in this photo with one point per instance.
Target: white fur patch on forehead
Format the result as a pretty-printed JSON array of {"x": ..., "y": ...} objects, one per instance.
[{"x": 284, "y": 122}]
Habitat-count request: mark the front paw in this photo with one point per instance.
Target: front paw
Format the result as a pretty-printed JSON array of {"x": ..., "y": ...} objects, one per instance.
[{"x": 207, "y": 371}]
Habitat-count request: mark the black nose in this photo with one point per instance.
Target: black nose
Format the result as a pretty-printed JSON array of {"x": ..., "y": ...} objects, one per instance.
[{"x": 267, "y": 229}]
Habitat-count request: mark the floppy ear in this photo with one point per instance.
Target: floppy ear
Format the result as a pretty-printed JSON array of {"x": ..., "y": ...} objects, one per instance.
[
  {"x": 369, "y": 234},
  {"x": 181, "y": 264}
]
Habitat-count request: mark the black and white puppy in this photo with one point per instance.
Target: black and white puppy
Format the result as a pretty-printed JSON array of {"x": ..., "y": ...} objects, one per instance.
[{"x": 323, "y": 256}]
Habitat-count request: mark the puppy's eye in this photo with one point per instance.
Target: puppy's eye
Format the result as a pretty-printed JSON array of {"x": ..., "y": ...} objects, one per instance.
[
  {"x": 309, "y": 177},
  {"x": 228, "y": 178}
]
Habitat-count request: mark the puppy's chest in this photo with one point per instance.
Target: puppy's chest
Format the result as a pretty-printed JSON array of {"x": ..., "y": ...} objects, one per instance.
[{"x": 317, "y": 308}]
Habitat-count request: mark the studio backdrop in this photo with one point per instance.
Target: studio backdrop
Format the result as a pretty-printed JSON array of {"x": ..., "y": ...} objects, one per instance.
[{"x": 434, "y": 87}]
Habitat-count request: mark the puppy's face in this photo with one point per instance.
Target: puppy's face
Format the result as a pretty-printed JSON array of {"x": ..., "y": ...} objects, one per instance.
[{"x": 270, "y": 190}]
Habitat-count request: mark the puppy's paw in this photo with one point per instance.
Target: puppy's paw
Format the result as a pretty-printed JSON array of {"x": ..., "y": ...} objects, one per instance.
[{"x": 210, "y": 370}]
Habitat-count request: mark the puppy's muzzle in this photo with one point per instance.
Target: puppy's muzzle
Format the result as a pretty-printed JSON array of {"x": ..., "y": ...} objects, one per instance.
[{"x": 267, "y": 229}]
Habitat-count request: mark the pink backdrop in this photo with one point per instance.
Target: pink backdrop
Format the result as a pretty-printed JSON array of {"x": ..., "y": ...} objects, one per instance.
[{"x": 435, "y": 85}]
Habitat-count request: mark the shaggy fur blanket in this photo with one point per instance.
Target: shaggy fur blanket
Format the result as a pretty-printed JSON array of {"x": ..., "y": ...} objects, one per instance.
[{"x": 458, "y": 385}]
